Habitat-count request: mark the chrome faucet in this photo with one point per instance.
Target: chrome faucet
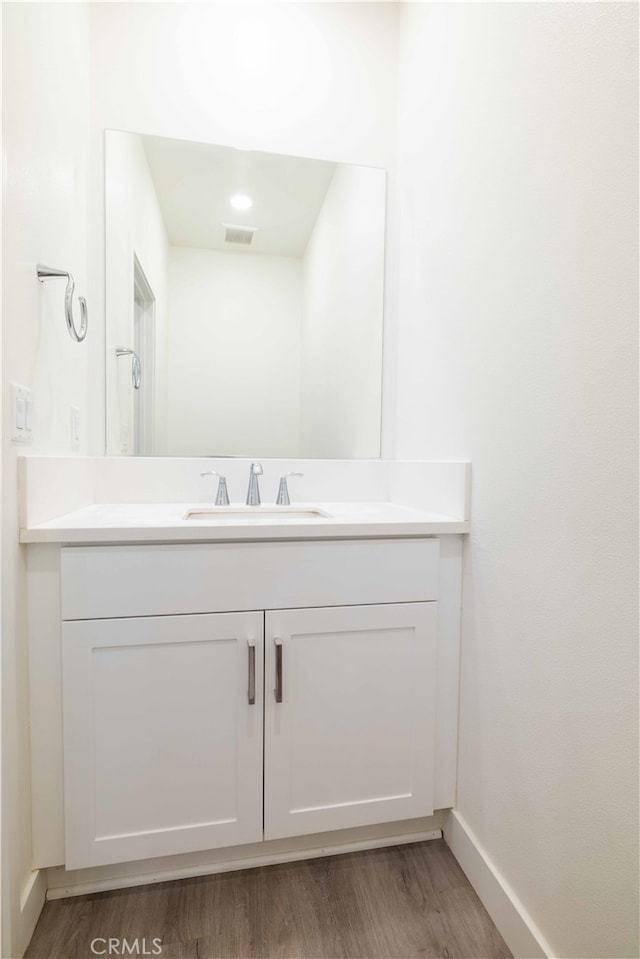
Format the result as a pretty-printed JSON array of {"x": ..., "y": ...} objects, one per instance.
[
  {"x": 222, "y": 496},
  {"x": 283, "y": 491},
  {"x": 253, "y": 493}
]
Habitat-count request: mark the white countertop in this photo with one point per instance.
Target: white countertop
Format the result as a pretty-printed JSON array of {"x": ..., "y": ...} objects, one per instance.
[{"x": 165, "y": 522}]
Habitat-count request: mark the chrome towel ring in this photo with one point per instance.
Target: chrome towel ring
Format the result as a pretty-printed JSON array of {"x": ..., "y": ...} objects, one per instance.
[
  {"x": 136, "y": 366},
  {"x": 48, "y": 273}
]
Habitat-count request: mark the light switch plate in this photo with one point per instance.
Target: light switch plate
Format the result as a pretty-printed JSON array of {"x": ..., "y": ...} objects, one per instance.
[{"x": 21, "y": 414}]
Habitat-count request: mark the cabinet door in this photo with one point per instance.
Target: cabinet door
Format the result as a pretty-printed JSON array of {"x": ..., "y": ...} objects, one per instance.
[
  {"x": 162, "y": 748},
  {"x": 349, "y": 716}
]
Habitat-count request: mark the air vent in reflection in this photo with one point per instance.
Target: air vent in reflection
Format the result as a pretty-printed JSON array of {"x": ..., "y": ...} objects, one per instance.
[{"x": 241, "y": 235}]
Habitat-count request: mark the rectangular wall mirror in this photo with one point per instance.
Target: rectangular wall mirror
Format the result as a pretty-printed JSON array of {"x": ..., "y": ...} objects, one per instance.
[{"x": 244, "y": 301}]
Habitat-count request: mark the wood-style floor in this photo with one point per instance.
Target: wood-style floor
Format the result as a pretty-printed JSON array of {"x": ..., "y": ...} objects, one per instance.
[{"x": 400, "y": 902}]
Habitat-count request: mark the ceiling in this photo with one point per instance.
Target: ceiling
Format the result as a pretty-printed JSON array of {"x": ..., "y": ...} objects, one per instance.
[{"x": 194, "y": 182}]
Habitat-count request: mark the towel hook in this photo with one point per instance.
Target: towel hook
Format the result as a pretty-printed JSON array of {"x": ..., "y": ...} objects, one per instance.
[
  {"x": 136, "y": 366},
  {"x": 48, "y": 273}
]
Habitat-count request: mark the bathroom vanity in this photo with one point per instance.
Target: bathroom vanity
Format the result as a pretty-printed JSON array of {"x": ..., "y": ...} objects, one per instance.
[{"x": 231, "y": 681}]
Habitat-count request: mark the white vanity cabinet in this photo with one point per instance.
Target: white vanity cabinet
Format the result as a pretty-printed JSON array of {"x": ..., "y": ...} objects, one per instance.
[
  {"x": 156, "y": 740},
  {"x": 162, "y": 749},
  {"x": 163, "y": 720},
  {"x": 349, "y": 716}
]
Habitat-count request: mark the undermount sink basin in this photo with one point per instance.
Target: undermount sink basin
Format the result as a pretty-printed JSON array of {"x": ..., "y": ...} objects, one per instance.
[{"x": 254, "y": 514}]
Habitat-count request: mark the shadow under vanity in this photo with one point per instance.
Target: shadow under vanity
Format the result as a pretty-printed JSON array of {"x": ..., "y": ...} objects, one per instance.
[{"x": 236, "y": 692}]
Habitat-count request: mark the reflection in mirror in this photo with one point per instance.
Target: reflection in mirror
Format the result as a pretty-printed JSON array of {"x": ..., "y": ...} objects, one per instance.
[{"x": 250, "y": 286}]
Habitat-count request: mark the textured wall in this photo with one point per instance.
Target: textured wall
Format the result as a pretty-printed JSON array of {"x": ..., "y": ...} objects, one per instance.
[{"x": 517, "y": 348}]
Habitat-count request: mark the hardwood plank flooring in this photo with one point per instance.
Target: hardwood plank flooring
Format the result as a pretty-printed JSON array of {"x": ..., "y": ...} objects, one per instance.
[{"x": 396, "y": 903}]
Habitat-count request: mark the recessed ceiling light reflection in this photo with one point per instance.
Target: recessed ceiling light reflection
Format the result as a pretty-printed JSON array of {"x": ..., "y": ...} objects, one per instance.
[{"x": 240, "y": 201}]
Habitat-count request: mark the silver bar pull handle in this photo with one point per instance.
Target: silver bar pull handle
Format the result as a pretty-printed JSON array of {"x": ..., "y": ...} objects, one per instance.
[
  {"x": 278, "y": 689},
  {"x": 252, "y": 673}
]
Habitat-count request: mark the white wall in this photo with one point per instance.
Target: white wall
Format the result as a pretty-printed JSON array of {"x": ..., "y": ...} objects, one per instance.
[
  {"x": 135, "y": 227},
  {"x": 342, "y": 319},
  {"x": 45, "y": 163},
  {"x": 517, "y": 348},
  {"x": 312, "y": 79},
  {"x": 234, "y": 344}
]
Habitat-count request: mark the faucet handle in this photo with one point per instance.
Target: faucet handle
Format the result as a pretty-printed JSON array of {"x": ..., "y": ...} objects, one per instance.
[
  {"x": 222, "y": 496},
  {"x": 283, "y": 490},
  {"x": 253, "y": 492}
]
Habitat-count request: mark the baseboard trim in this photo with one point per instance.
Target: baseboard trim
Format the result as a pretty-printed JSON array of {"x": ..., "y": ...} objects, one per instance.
[
  {"x": 232, "y": 865},
  {"x": 32, "y": 899},
  {"x": 512, "y": 920}
]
